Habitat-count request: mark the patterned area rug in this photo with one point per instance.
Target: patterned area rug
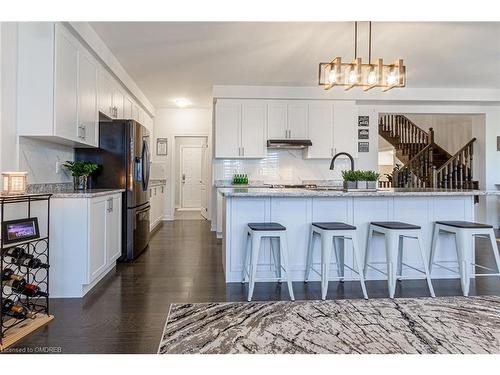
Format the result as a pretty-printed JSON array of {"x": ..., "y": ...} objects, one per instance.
[{"x": 403, "y": 325}]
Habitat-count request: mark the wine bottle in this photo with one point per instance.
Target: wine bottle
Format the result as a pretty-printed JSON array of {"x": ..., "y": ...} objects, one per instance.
[
  {"x": 29, "y": 290},
  {"x": 7, "y": 273},
  {"x": 31, "y": 262},
  {"x": 10, "y": 308},
  {"x": 16, "y": 252}
]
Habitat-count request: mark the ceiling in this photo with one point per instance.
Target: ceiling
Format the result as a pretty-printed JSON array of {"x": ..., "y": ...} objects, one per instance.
[{"x": 169, "y": 60}]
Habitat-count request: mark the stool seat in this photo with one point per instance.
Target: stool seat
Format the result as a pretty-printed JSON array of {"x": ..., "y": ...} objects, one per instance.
[
  {"x": 266, "y": 226},
  {"x": 396, "y": 225},
  {"x": 465, "y": 224},
  {"x": 334, "y": 226}
]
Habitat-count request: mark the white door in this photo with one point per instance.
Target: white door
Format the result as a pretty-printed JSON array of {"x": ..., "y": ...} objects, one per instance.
[
  {"x": 253, "y": 129},
  {"x": 227, "y": 129},
  {"x": 276, "y": 120},
  {"x": 297, "y": 119},
  {"x": 191, "y": 179},
  {"x": 98, "y": 242},
  {"x": 87, "y": 100},
  {"x": 66, "y": 92},
  {"x": 113, "y": 229},
  {"x": 204, "y": 181},
  {"x": 320, "y": 130}
]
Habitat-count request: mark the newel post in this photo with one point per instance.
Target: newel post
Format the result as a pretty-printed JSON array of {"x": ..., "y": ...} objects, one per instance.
[{"x": 431, "y": 136}]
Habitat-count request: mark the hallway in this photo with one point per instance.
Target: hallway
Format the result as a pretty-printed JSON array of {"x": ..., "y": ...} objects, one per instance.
[{"x": 127, "y": 311}]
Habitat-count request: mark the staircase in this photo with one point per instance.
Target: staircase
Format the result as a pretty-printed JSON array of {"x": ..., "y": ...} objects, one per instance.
[{"x": 425, "y": 163}]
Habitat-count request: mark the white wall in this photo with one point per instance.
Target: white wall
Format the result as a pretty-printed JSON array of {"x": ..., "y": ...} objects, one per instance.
[{"x": 171, "y": 122}]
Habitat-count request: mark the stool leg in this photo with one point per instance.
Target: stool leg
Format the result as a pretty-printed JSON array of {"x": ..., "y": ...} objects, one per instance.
[
  {"x": 367, "y": 251},
  {"x": 494, "y": 248},
  {"x": 463, "y": 264},
  {"x": 339, "y": 249},
  {"x": 357, "y": 260},
  {"x": 310, "y": 253},
  {"x": 434, "y": 245},
  {"x": 256, "y": 241},
  {"x": 391, "y": 248},
  {"x": 275, "y": 250},
  {"x": 425, "y": 263},
  {"x": 284, "y": 259},
  {"x": 400, "y": 258},
  {"x": 246, "y": 260},
  {"x": 326, "y": 253}
]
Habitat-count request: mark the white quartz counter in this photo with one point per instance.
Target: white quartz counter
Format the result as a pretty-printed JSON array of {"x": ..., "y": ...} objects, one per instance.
[{"x": 276, "y": 192}]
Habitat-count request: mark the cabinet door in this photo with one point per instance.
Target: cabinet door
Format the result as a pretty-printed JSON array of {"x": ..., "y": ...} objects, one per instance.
[
  {"x": 66, "y": 87},
  {"x": 113, "y": 229},
  {"x": 253, "y": 129},
  {"x": 135, "y": 113},
  {"x": 320, "y": 121},
  {"x": 345, "y": 128},
  {"x": 98, "y": 242},
  {"x": 297, "y": 119},
  {"x": 276, "y": 120},
  {"x": 118, "y": 102},
  {"x": 87, "y": 101},
  {"x": 105, "y": 94},
  {"x": 227, "y": 129},
  {"x": 127, "y": 108}
]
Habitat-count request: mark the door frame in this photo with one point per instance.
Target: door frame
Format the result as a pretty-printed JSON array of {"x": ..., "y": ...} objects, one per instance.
[
  {"x": 172, "y": 185},
  {"x": 180, "y": 171}
]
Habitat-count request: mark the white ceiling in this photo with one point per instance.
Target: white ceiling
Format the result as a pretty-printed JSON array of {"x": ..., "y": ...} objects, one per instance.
[{"x": 168, "y": 60}]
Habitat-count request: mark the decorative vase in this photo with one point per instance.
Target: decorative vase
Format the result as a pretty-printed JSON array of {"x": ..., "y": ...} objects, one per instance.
[{"x": 80, "y": 182}]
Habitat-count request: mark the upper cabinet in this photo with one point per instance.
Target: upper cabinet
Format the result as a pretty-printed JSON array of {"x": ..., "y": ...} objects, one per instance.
[
  {"x": 242, "y": 126},
  {"x": 62, "y": 87},
  {"x": 240, "y": 129}
]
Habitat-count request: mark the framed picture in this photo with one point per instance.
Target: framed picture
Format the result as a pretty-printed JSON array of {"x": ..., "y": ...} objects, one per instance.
[
  {"x": 161, "y": 146},
  {"x": 363, "y": 133},
  {"x": 20, "y": 230},
  {"x": 363, "y": 120},
  {"x": 363, "y": 146}
]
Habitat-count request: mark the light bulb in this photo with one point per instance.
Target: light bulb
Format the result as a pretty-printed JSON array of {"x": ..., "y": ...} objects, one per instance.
[
  {"x": 392, "y": 78},
  {"x": 353, "y": 77},
  {"x": 372, "y": 77},
  {"x": 332, "y": 76}
]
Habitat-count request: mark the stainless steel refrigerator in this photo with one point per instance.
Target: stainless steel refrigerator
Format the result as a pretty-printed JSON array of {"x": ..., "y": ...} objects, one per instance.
[{"x": 124, "y": 159}]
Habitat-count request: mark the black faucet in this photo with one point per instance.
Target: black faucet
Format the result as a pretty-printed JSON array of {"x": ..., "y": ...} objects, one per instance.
[{"x": 332, "y": 164}]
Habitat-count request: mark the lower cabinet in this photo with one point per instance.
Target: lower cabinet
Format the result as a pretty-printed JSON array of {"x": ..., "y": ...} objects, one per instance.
[
  {"x": 157, "y": 202},
  {"x": 85, "y": 242}
]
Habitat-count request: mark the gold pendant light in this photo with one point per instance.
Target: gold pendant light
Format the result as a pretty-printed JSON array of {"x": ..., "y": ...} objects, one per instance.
[{"x": 357, "y": 74}]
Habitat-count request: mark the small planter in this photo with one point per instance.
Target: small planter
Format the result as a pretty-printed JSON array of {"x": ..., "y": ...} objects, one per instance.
[
  {"x": 371, "y": 185},
  {"x": 80, "y": 182},
  {"x": 350, "y": 185},
  {"x": 361, "y": 185}
]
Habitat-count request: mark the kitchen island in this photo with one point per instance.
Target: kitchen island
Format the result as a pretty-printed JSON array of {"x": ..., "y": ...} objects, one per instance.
[{"x": 296, "y": 209}]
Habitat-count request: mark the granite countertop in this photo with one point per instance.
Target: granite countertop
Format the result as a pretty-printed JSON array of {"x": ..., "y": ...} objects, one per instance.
[
  {"x": 89, "y": 193},
  {"x": 268, "y": 192}
]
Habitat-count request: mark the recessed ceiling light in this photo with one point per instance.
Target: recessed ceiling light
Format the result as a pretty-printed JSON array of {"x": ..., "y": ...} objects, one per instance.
[{"x": 182, "y": 102}]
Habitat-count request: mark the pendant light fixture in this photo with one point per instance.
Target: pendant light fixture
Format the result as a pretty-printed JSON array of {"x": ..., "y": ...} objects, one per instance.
[{"x": 357, "y": 74}]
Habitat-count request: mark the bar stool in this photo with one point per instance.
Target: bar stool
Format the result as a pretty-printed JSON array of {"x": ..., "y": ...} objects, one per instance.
[
  {"x": 279, "y": 249},
  {"x": 395, "y": 232},
  {"x": 330, "y": 233},
  {"x": 464, "y": 232}
]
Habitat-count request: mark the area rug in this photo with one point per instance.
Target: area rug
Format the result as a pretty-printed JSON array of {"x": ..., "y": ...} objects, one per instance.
[{"x": 378, "y": 326}]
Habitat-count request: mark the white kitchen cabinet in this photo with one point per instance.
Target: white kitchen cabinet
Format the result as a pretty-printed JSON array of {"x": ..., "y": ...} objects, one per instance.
[
  {"x": 57, "y": 92},
  {"x": 240, "y": 129},
  {"x": 88, "y": 118},
  {"x": 85, "y": 242},
  {"x": 118, "y": 98},
  {"x": 297, "y": 119},
  {"x": 345, "y": 127},
  {"x": 127, "y": 108},
  {"x": 320, "y": 129},
  {"x": 105, "y": 93},
  {"x": 157, "y": 194},
  {"x": 277, "y": 127}
]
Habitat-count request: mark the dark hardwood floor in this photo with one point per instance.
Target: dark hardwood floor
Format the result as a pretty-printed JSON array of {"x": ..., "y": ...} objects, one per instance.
[{"x": 126, "y": 312}]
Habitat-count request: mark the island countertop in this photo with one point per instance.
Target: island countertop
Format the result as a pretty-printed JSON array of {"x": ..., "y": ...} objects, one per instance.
[{"x": 393, "y": 192}]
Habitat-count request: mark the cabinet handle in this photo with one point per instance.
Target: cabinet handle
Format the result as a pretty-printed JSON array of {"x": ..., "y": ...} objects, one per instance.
[
  {"x": 84, "y": 129},
  {"x": 243, "y": 151},
  {"x": 110, "y": 205},
  {"x": 162, "y": 189}
]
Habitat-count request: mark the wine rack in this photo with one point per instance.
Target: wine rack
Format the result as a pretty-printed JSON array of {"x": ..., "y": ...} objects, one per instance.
[{"x": 27, "y": 261}]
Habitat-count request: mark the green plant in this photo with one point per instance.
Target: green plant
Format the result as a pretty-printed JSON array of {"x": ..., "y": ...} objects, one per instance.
[
  {"x": 359, "y": 175},
  {"x": 80, "y": 167}
]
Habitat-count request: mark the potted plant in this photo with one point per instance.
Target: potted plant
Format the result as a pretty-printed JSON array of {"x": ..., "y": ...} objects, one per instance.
[
  {"x": 371, "y": 178},
  {"x": 350, "y": 179},
  {"x": 80, "y": 170}
]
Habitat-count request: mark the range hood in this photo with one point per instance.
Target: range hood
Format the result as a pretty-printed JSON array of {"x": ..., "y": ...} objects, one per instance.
[{"x": 289, "y": 143}]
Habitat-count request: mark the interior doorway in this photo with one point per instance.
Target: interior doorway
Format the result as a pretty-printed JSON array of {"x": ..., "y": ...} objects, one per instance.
[{"x": 191, "y": 178}]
